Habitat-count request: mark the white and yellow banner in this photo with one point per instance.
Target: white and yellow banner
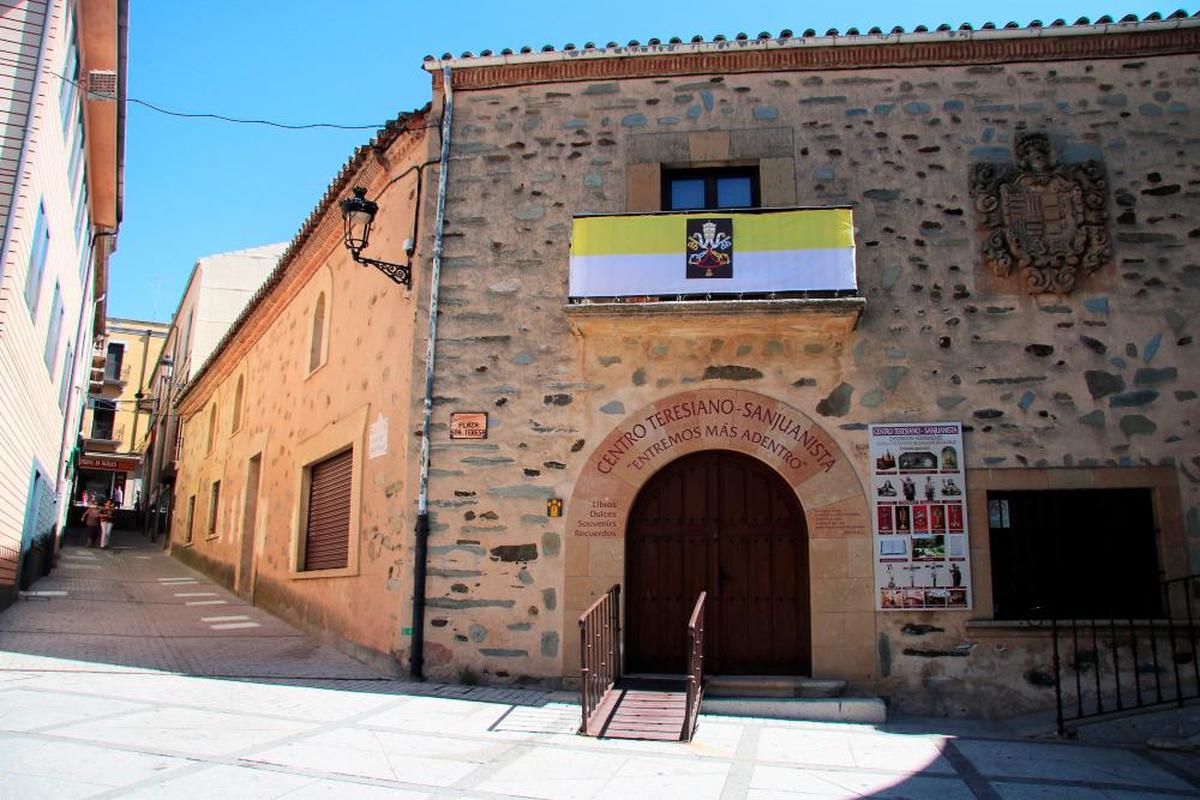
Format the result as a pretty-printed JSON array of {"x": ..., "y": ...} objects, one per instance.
[{"x": 713, "y": 253}]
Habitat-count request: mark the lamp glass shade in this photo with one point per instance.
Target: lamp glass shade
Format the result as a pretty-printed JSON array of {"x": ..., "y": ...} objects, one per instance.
[{"x": 357, "y": 214}]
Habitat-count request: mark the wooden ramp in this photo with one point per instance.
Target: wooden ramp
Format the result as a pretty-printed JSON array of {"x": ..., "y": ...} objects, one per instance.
[
  {"x": 648, "y": 712},
  {"x": 661, "y": 707}
]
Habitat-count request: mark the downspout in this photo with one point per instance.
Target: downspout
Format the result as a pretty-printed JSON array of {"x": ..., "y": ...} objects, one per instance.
[
  {"x": 137, "y": 406},
  {"x": 421, "y": 550}
]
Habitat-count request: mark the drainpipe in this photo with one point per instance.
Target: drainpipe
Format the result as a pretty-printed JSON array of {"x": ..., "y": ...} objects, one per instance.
[
  {"x": 137, "y": 407},
  {"x": 421, "y": 550}
]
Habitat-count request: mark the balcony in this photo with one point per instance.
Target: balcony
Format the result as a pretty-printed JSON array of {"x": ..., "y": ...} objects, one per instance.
[
  {"x": 105, "y": 436},
  {"x": 708, "y": 270},
  {"x": 116, "y": 374}
]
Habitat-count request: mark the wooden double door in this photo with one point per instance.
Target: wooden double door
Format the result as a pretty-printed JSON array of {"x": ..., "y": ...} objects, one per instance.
[{"x": 728, "y": 524}]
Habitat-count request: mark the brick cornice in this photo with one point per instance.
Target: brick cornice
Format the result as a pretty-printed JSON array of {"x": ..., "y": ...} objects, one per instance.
[
  {"x": 679, "y": 60},
  {"x": 319, "y": 241}
]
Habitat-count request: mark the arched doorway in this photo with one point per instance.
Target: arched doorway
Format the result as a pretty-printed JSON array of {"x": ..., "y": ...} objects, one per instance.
[{"x": 726, "y": 523}]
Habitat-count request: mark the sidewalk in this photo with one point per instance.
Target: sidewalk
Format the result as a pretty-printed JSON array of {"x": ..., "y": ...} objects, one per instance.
[{"x": 127, "y": 674}]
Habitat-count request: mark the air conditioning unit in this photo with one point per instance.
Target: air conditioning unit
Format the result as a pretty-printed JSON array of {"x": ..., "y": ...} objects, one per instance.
[{"x": 102, "y": 84}]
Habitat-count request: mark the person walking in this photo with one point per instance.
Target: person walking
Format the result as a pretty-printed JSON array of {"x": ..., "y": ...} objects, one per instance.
[
  {"x": 107, "y": 512},
  {"x": 91, "y": 523}
]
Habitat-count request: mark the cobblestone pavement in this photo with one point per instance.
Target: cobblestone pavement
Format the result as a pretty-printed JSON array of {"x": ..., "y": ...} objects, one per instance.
[{"x": 127, "y": 674}]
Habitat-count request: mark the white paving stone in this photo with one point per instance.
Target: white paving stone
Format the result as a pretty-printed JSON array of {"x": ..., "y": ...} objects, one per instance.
[
  {"x": 185, "y": 730},
  {"x": 31, "y": 767},
  {"x": 236, "y": 782}
]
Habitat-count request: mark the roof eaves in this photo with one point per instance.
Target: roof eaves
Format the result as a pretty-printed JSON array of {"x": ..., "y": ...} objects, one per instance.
[
  {"x": 383, "y": 139},
  {"x": 833, "y": 38}
]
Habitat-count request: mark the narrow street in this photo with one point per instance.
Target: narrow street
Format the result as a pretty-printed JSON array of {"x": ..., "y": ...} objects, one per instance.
[{"x": 127, "y": 674}]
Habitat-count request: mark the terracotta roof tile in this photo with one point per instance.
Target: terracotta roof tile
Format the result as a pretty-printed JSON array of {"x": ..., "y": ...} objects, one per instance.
[
  {"x": 765, "y": 36},
  {"x": 336, "y": 189}
]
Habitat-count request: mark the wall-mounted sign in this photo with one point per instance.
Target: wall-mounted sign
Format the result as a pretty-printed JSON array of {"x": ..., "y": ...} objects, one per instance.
[
  {"x": 377, "y": 444},
  {"x": 919, "y": 498},
  {"x": 554, "y": 506},
  {"x": 468, "y": 425},
  {"x": 108, "y": 464}
]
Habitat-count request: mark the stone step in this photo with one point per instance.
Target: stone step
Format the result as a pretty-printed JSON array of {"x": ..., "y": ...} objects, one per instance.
[
  {"x": 860, "y": 710},
  {"x": 783, "y": 686}
]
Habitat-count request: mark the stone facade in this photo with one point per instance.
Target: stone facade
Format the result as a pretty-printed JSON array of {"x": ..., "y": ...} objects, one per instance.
[
  {"x": 1058, "y": 389},
  {"x": 1091, "y": 388}
]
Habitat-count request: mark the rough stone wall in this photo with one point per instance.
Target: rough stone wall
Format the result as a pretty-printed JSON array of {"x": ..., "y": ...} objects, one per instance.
[{"x": 1104, "y": 376}]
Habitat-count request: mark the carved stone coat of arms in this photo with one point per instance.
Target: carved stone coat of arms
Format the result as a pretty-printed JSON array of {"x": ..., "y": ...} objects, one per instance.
[{"x": 1043, "y": 221}]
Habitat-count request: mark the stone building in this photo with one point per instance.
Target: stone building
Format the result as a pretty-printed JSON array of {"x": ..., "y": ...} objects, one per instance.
[{"x": 683, "y": 280}]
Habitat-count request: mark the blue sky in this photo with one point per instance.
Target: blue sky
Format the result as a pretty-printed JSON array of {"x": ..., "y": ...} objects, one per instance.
[{"x": 196, "y": 187}]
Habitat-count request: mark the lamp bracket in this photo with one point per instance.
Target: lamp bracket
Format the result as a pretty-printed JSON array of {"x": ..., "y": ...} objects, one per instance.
[{"x": 400, "y": 273}]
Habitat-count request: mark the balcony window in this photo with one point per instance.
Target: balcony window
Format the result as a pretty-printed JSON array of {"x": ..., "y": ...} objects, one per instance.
[
  {"x": 112, "y": 367},
  {"x": 695, "y": 189},
  {"x": 104, "y": 414}
]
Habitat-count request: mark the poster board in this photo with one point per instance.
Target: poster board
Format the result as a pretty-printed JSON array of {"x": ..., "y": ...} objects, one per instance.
[{"x": 919, "y": 517}]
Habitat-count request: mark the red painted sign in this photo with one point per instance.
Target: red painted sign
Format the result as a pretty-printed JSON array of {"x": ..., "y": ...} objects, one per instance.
[{"x": 109, "y": 464}]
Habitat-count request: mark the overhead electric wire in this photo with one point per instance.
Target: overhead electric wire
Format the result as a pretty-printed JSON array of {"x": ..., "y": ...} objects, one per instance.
[
  {"x": 302, "y": 126},
  {"x": 239, "y": 121}
]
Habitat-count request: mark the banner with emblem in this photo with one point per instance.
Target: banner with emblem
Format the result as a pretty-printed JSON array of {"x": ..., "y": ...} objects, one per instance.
[{"x": 713, "y": 253}]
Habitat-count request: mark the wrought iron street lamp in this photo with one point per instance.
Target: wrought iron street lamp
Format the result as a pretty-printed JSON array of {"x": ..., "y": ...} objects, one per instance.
[{"x": 358, "y": 214}]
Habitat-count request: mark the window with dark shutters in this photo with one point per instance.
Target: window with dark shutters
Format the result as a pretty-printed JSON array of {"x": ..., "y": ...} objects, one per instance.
[{"x": 327, "y": 533}]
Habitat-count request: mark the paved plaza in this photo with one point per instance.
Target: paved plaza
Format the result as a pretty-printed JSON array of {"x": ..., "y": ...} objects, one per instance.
[{"x": 125, "y": 674}]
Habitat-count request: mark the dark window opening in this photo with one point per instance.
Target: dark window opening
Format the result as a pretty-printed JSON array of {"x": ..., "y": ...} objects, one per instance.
[
  {"x": 104, "y": 413},
  {"x": 191, "y": 517},
  {"x": 1074, "y": 554},
  {"x": 723, "y": 187},
  {"x": 214, "y": 508},
  {"x": 115, "y": 361}
]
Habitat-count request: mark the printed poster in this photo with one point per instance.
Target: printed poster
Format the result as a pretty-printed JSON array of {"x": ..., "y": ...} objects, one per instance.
[{"x": 919, "y": 497}]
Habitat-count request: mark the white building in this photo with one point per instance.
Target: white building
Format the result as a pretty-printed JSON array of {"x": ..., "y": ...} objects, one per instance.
[
  {"x": 62, "y": 82},
  {"x": 217, "y": 292}
]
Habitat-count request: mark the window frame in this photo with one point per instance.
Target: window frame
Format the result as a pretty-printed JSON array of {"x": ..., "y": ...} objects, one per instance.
[
  {"x": 191, "y": 519},
  {"x": 345, "y": 434},
  {"x": 38, "y": 251},
  {"x": 710, "y": 175},
  {"x": 1162, "y": 481},
  {"x": 54, "y": 331},
  {"x": 109, "y": 406},
  {"x": 238, "y": 399},
  {"x": 318, "y": 343},
  {"x": 67, "y": 370},
  {"x": 214, "y": 421},
  {"x": 214, "y": 510}
]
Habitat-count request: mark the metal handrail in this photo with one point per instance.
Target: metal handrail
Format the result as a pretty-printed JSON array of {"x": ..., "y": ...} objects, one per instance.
[
  {"x": 600, "y": 654},
  {"x": 1095, "y": 646},
  {"x": 695, "y": 684}
]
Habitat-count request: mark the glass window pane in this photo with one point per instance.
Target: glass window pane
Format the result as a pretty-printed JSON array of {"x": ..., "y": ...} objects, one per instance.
[
  {"x": 687, "y": 193},
  {"x": 733, "y": 192}
]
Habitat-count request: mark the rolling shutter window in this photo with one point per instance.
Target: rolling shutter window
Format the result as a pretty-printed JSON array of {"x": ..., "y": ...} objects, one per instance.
[{"x": 327, "y": 535}]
